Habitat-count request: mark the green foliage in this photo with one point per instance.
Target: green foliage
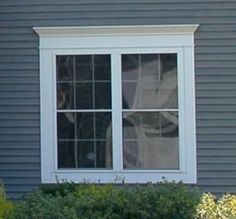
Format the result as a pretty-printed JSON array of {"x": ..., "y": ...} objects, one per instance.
[
  {"x": 88, "y": 201},
  {"x": 99, "y": 201},
  {"x": 210, "y": 208},
  {"x": 6, "y": 207},
  {"x": 60, "y": 188},
  {"x": 45, "y": 206},
  {"x": 165, "y": 200}
]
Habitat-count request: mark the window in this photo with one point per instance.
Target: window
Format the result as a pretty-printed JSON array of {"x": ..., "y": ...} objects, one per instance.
[
  {"x": 117, "y": 103},
  {"x": 84, "y": 123}
]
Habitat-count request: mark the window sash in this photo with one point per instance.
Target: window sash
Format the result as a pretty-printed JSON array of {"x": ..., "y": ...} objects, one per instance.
[{"x": 117, "y": 109}]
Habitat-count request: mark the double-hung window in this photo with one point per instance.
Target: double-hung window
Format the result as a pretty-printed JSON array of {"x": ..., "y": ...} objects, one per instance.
[{"x": 117, "y": 103}]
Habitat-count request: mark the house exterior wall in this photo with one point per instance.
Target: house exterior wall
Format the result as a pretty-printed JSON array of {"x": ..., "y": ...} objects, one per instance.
[{"x": 215, "y": 69}]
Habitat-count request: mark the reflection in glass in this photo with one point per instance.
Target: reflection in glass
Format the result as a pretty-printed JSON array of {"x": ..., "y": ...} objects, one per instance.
[
  {"x": 64, "y": 67},
  {"x": 84, "y": 122},
  {"x": 150, "y": 140},
  {"x": 94, "y": 154},
  {"x": 154, "y": 84},
  {"x": 103, "y": 126},
  {"x": 65, "y": 96},
  {"x": 66, "y": 154},
  {"x": 90, "y": 134},
  {"x": 104, "y": 154},
  {"x": 130, "y": 154},
  {"x": 66, "y": 126},
  {"x": 84, "y": 95},
  {"x": 84, "y": 138},
  {"x": 129, "y": 94},
  {"x": 102, "y": 67},
  {"x": 103, "y": 95},
  {"x": 83, "y": 68},
  {"x": 83, "y": 81},
  {"x": 130, "y": 67},
  {"x": 86, "y": 155}
]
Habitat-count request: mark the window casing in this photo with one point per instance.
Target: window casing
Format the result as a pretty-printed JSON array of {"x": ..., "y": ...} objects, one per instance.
[{"x": 145, "y": 139}]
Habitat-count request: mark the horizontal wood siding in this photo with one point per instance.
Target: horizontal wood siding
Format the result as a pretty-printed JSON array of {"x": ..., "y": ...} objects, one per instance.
[{"x": 215, "y": 62}]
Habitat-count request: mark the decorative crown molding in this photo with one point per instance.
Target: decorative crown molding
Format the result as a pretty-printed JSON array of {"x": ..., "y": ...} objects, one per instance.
[{"x": 69, "y": 31}]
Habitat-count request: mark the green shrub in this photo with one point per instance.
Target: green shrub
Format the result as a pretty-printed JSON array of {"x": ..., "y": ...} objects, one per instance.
[
  {"x": 160, "y": 201},
  {"x": 45, "y": 206},
  {"x": 59, "y": 188},
  {"x": 6, "y": 207},
  {"x": 101, "y": 201},
  {"x": 166, "y": 200}
]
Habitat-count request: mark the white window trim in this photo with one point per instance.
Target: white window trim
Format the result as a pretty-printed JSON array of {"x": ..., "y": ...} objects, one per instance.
[{"x": 116, "y": 40}]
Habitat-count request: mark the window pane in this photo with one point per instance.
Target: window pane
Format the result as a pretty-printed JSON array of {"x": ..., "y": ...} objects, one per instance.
[
  {"x": 86, "y": 85},
  {"x": 65, "y": 126},
  {"x": 130, "y": 67},
  {"x": 130, "y": 97},
  {"x": 65, "y": 96},
  {"x": 94, "y": 154},
  {"x": 154, "y": 85},
  {"x": 83, "y": 68},
  {"x": 66, "y": 154},
  {"x": 64, "y": 67},
  {"x": 91, "y": 133},
  {"x": 104, "y": 154},
  {"x": 150, "y": 140},
  {"x": 103, "y": 95},
  {"x": 103, "y": 126},
  {"x": 102, "y": 67},
  {"x": 84, "y": 95},
  {"x": 86, "y": 155},
  {"x": 85, "y": 125}
]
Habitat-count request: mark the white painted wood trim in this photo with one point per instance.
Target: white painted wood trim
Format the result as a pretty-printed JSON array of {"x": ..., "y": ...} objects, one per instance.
[
  {"x": 47, "y": 117},
  {"x": 116, "y": 30},
  {"x": 116, "y": 112},
  {"x": 116, "y": 40}
]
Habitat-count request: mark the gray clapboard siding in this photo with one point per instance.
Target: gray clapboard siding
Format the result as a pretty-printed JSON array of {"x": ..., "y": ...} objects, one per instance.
[{"x": 215, "y": 62}]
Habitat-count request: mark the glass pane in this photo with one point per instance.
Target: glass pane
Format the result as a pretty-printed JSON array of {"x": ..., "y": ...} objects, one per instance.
[
  {"x": 169, "y": 62},
  {"x": 83, "y": 67},
  {"x": 130, "y": 154},
  {"x": 150, "y": 67},
  {"x": 130, "y": 67},
  {"x": 84, "y": 82},
  {"x": 66, "y": 154},
  {"x": 64, "y": 67},
  {"x": 155, "y": 86},
  {"x": 84, "y": 95},
  {"x": 65, "y": 96},
  {"x": 102, "y": 68},
  {"x": 150, "y": 140},
  {"x": 169, "y": 123},
  {"x": 94, "y": 154},
  {"x": 102, "y": 95},
  {"x": 104, "y": 154},
  {"x": 103, "y": 126},
  {"x": 85, "y": 125},
  {"x": 85, "y": 154},
  {"x": 130, "y": 95},
  {"x": 65, "y": 125}
]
